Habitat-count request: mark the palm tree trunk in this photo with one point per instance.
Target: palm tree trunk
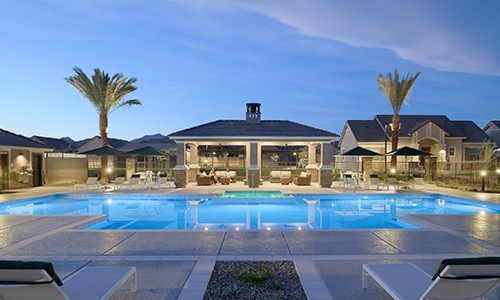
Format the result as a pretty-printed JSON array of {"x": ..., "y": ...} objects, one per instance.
[
  {"x": 395, "y": 126},
  {"x": 103, "y": 129}
]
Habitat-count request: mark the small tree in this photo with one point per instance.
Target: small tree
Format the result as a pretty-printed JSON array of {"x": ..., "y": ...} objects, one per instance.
[{"x": 488, "y": 156}]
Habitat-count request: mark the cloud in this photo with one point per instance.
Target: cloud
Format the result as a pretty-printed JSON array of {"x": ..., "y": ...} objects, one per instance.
[{"x": 442, "y": 35}]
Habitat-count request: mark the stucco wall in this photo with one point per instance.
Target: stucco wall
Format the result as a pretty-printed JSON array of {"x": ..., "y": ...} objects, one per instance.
[{"x": 65, "y": 170}]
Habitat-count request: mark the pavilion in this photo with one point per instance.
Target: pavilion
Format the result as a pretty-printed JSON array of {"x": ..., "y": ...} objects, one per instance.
[{"x": 251, "y": 135}]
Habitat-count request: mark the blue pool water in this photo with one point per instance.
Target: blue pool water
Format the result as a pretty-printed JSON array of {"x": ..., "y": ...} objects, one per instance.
[
  {"x": 253, "y": 194},
  {"x": 207, "y": 212}
]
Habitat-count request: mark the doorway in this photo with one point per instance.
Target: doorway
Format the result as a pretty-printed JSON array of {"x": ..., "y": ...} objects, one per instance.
[
  {"x": 37, "y": 169},
  {"x": 4, "y": 169}
]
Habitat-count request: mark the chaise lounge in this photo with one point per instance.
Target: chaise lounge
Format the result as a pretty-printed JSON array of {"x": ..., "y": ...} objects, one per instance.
[
  {"x": 465, "y": 278},
  {"x": 21, "y": 280}
]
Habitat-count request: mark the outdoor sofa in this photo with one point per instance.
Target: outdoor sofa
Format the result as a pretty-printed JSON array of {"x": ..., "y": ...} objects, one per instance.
[{"x": 275, "y": 176}]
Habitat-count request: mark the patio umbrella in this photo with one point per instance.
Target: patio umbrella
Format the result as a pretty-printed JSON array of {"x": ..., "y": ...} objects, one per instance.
[
  {"x": 105, "y": 150},
  {"x": 408, "y": 151},
  {"x": 147, "y": 151},
  {"x": 360, "y": 151}
]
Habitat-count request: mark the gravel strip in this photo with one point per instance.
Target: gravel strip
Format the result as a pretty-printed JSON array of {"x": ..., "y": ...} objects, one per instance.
[{"x": 227, "y": 281}]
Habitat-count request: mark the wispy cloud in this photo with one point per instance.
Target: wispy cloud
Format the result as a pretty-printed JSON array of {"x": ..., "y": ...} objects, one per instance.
[{"x": 443, "y": 35}]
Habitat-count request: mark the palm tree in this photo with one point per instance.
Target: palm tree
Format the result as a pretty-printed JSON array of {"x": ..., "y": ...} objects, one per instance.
[
  {"x": 397, "y": 93},
  {"x": 106, "y": 95}
]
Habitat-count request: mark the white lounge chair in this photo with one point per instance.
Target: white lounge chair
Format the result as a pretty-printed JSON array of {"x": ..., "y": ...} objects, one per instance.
[
  {"x": 467, "y": 278},
  {"x": 91, "y": 183},
  {"x": 376, "y": 181},
  {"x": 134, "y": 182},
  {"x": 159, "y": 183},
  {"x": 392, "y": 181},
  {"x": 38, "y": 280},
  {"x": 351, "y": 182},
  {"x": 117, "y": 184}
]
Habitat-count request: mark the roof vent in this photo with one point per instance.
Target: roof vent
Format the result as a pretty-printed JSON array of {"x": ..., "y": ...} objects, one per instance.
[{"x": 253, "y": 113}]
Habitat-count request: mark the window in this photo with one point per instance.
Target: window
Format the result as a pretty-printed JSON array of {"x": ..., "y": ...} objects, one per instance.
[
  {"x": 471, "y": 154},
  {"x": 451, "y": 151}
]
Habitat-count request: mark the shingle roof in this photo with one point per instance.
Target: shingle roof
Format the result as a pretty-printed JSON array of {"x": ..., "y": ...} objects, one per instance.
[
  {"x": 58, "y": 144},
  {"x": 494, "y": 124},
  {"x": 373, "y": 131},
  {"x": 240, "y": 128},
  {"x": 473, "y": 133},
  {"x": 366, "y": 130},
  {"x": 11, "y": 139},
  {"x": 409, "y": 123}
]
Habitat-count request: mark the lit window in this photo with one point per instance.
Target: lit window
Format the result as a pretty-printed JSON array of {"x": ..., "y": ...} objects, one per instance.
[{"x": 451, "y": 151}]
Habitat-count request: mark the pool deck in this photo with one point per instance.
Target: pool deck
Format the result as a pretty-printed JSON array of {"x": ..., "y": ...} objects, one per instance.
[{"x": 178, "y": 264}]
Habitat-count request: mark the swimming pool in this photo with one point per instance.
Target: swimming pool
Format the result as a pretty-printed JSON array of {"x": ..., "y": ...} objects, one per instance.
[
  {"x": 253, "y": 194},
  {"x": 205, "y": 212}
]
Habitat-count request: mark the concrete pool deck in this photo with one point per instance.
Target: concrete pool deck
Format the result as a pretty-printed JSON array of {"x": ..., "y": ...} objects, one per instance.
[{"x": 178, "y": 264}]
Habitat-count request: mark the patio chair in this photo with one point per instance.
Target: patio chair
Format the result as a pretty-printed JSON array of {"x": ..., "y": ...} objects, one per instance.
[
  {"x": 303, "y": 179},
  {"x": 392, "y": 181},
  {"x": 38, "y": 280},
  {"x": 376, "y": 181},
  {"x": 159, "y": 182},
  {"x": 91, "y": 183},
  {"x": 351, "y": 182},
  {"x": 117, "y": 184},
  {"x": 134, "y": 182},
  {"x": 466, "y": 278}
]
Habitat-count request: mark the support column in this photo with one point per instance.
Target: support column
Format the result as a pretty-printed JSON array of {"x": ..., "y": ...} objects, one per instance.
[
  {"x": 194, "y": 167},
  {"x": 130, "y": 166},
  {"x": 368, "y": 167},
  {"x": 312, "y": 167},
  {"x": 253, "y": 168},
  {"x": 180, "y": 170},
  {"x": 326, "y": 169},
  {"x": 430, "y": 168}
]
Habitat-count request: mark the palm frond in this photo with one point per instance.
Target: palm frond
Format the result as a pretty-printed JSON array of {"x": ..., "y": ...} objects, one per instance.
[{"x": 397, "y": 92}]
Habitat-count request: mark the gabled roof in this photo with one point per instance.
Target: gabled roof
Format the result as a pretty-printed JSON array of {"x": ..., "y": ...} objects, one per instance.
[
  {"x": 422, "y": 124},
  {"x": 366, "y": 130},
  {"x": 473, "y": 133},
  {"x": 240, "y": 128},
  {"x": 58, "y": 144},
  {"x": 409, "y": 122},
  {"x": 492, "y": 125},
  {"x": 16, "y": 140}
]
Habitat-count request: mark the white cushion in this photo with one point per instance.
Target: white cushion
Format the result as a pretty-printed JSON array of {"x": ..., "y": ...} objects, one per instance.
[
  {"x": 303, "y": 174},
  {"x": 286, "y": 173},
  {"x": 275, "y": 174}
]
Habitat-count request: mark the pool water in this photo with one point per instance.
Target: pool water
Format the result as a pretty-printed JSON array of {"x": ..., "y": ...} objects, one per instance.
[
  {"x": 253, "y": 194},
  {"x": 202, "y": 212}
]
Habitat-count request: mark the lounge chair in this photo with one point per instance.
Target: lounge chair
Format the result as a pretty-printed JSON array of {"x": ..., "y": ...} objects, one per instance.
[
  {"x": 38, "y": 280},
  {"x": 376, "y": 181},
  {"x": 90, "y": 184},
  {"x": 418, "y": 181},
  {"x": 134, "y": 182},
  {"x": 117, "y": 184},
  {"x": 351, "y": 182},
  {"x": 392, "y": 181},
  {"x": 466, "y": 278},
  {"x": 159, "y": 182}
]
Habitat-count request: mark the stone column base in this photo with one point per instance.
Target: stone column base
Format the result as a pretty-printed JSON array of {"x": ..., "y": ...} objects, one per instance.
[
  {"x": 193, "y": 170},
  {"x": 256, "y": 177},
  {"x": 326, "y": 177},
  {"x": 313, "y": 170},
  {"x": 180, "y": 178}
]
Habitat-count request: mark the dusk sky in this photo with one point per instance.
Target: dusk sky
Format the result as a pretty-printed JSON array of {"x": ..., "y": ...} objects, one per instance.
[{"x": 311, "y": 62}]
